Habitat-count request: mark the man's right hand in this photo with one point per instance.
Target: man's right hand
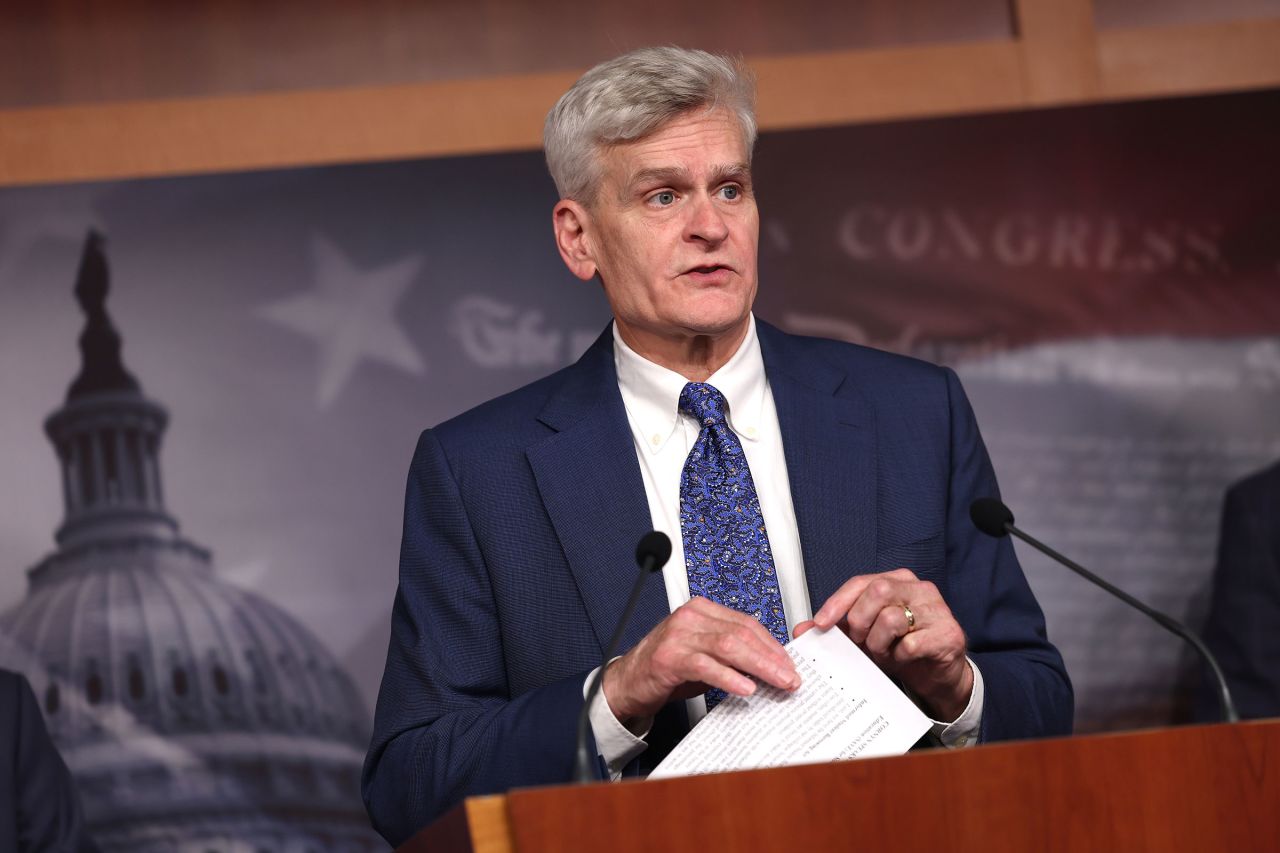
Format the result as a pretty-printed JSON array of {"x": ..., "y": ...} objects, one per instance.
[{"x": 701, "y": 645}]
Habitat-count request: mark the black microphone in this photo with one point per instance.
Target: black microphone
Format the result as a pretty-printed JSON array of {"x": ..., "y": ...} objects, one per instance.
[
  {"x": 994, "y": 519},
  {"x": 651, "y": 554}
]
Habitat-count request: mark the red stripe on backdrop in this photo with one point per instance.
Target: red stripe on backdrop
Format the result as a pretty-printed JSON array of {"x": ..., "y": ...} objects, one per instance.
[{"x": 969, "y": 234}]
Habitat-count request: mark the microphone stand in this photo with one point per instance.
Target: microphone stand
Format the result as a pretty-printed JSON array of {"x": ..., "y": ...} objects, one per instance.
[
  {"x": 652, "y": 553},
  {"x": 1165, "y": 621}
]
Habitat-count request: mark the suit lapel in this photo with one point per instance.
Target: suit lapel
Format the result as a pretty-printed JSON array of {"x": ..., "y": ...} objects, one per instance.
[
  {"x": 828, "y": 437},
  {"x": 591, "y": 486},
  {"x": 590, "y": 482}
]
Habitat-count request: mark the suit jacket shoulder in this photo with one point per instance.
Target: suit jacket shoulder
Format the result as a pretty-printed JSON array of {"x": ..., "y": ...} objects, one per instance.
[
  {"x": 852, "y": 369},
  {"x": 39, "y": 808},
  {"x": 1258, "y": 494},
  {"x": 513, "y": 421},
  {"x": 1245, "y": 604}
]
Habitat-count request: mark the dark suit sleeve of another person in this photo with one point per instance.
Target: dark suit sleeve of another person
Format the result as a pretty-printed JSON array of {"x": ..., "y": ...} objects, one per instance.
[
  {"x": 448, "y": 724},
  {"x": 41, "y": 809},
  {"x": 1243, "y": 630},
  {"x": 1027, "y": 691}
]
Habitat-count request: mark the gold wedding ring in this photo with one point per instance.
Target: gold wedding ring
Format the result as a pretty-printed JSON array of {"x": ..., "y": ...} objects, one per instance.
[{"x": 911, "y": 618}]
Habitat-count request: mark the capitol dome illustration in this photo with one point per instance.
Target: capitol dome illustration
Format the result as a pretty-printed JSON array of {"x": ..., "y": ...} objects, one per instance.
[{"x": 194, "y": 715}]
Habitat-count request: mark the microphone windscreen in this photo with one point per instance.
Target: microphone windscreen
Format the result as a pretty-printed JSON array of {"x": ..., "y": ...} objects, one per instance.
[
  {"x": 990, "y": 516},
  {"x": 654, "y": 546}
]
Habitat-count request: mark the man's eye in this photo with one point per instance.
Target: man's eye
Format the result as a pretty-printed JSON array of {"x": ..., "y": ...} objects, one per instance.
[
  {"x": 664, "y": 198},
  {"x": 731, "y": 193}
]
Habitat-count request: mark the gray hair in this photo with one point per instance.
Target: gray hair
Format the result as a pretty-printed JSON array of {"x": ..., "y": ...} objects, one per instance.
[{"x": 632, "y": 96}]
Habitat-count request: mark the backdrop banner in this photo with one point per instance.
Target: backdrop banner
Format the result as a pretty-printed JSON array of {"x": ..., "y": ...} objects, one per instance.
[{"x": 1106, "y": 280}]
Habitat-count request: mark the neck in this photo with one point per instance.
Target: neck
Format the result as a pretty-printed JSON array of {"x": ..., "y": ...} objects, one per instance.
[{"x": 695, "y": 357}]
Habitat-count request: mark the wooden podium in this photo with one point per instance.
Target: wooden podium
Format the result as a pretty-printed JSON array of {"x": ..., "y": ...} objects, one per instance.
[{"x": 1200, "y": 788}]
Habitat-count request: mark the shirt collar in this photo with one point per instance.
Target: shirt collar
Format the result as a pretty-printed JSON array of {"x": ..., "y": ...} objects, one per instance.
[{"x": 651, "y": 392}]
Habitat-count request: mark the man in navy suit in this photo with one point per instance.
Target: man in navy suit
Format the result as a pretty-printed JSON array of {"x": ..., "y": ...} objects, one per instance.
[
  {"x": 39, "y": 808},
  {"x": 522, "y": 515}
]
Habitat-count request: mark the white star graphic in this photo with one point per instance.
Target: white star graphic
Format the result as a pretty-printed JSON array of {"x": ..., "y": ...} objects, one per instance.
[{"x": 350, "y": 314}]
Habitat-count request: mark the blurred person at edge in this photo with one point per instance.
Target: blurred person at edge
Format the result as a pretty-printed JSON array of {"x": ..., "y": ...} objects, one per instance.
[
  {"x": 39, "y": 809},
  {"x": 1244, "y": 612}
]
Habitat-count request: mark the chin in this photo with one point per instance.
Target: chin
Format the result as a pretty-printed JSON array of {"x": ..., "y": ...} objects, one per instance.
[
  {"x": 716, "y": 324},
  {"x": 720, "y": 310}
]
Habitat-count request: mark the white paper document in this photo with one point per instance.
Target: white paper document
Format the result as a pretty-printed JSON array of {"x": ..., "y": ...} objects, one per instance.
[{"x": 845, "y": 708}]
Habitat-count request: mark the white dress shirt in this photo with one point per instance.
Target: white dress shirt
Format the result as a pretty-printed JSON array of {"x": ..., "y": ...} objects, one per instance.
[{"x": 663, "y": 437}]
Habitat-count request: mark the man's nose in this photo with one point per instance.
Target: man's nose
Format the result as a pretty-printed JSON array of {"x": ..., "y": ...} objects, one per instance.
[{"x": 706, "y": 221}]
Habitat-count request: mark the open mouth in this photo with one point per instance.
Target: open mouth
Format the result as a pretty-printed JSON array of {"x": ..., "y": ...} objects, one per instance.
[{"x": 709, "y": 268}]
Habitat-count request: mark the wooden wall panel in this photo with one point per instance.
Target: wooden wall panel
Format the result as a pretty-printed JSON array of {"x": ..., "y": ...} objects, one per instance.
[
  {"x": 77, "y": 51},
  {"x": 1190, "y": 59},
  {"x": 472, "y": 116},
  {"x": 213, "y": 85},
  {"x": 1134, "y": 14},
  {"x": 1059, "y": 63},
  {"x": 275, "y": 130},
  {"x": 877, "y": 85}
]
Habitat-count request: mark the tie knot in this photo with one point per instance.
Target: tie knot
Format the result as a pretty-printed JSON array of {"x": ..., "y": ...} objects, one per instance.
[{"x": 704, "y": 403}]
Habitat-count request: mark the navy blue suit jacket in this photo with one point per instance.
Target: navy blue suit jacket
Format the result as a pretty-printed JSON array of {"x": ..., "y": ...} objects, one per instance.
[
  {"x": 39, "y": 808},
  {"x": 1245, "y": 610},
  {"x": 521, "y": 521}
]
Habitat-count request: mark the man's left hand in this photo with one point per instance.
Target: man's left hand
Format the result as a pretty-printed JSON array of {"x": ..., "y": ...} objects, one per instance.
[{"x": 924, "y": 650}]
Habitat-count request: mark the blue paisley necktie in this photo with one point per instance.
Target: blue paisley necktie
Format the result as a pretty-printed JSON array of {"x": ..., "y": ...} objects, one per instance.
[{"x": 726, "y": 548}]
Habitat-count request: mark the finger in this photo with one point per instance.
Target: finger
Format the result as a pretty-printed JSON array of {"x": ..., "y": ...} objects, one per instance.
[
  {"x": 804, "y": 627},
  {"x": 882, "y": 592},
  {"x": 742, "y": 650},
  {"x": 941, "y": 642},
  {"x": 914, "y": 647},
  {"x": 769, "y": 643},
  {"x": 840, "y": 602},
  {"x": 711, "y": 672},
  {"x": 890, "y": 624}
]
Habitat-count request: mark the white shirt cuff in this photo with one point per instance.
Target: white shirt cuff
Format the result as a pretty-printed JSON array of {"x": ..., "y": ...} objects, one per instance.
[
  {"x": 963, "y": 731},
  {"x": 616, "y": 743}
]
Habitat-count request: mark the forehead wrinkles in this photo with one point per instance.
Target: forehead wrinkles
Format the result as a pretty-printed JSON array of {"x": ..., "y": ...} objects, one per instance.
[{"x": 665, "y": 152}]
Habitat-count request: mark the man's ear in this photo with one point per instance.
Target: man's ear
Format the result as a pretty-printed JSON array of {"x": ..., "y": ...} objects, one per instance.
[{"x": 571, "y": 221}]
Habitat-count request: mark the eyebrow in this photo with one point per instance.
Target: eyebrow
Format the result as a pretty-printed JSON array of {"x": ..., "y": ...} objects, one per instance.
[{"x": 740, "y": 172}]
